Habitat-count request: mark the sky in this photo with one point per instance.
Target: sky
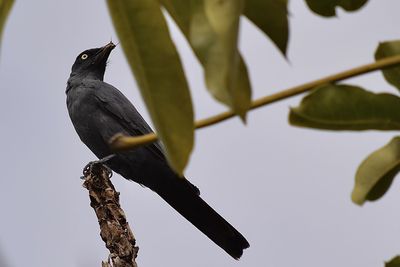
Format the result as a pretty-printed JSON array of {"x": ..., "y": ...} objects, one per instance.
[{"x": 286, "y": 189}]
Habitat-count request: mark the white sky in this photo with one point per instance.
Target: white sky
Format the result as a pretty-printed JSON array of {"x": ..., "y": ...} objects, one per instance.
[{"x": 286, "y": 189}]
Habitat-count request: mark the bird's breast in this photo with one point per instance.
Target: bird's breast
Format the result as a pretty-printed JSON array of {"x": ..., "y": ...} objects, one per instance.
[{"x": 84, "y": 114}]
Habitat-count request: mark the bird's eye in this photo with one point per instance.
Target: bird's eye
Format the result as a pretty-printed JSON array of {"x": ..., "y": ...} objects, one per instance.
[{"x": 84, "y": 56}]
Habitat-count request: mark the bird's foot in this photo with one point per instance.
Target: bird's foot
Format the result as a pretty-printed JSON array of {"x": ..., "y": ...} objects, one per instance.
[{"x": 97, "y": 162}]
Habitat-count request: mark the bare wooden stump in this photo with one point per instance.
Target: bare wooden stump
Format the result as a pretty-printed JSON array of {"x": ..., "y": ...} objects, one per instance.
[{"x": 114, "y": 229}]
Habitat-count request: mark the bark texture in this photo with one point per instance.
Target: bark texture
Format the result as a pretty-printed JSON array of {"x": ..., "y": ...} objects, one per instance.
[{"x": 114, "y": 229}]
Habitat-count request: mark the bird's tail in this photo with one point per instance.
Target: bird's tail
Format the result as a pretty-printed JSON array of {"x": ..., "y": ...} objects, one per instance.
[{"x": 185, "y": 198}]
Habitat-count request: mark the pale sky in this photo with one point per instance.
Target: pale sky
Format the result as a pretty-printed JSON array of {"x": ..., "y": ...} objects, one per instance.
[{"x": 286, "y": 189}]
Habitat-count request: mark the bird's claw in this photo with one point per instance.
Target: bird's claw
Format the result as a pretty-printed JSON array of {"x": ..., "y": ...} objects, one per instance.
[{"x": 101, "y": 161}]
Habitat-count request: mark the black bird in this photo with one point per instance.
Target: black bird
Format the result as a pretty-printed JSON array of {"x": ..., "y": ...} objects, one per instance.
[{"x": 98, "y": 111}]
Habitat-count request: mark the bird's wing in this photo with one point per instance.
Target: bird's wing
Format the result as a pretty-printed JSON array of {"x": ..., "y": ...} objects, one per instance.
[{"x": 113, "y": 102}]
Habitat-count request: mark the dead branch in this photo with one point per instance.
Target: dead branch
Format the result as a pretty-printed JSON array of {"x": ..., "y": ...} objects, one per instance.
[{"x": 114, "y": 229}]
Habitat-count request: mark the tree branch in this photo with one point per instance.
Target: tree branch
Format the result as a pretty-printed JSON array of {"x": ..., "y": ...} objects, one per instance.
[
  {"x": 121, "y": 142},
  {"x": 114, "y": 229}
]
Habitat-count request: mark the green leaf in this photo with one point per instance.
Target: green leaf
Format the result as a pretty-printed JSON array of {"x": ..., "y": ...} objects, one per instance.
[
  {"x": 271, "y": 16},
  {"x": 211, "y": 28},
  {"x": 5, "y": 7},
  {"x": 222, "y": 61},
  {"x": 345, "y": 107},
  {"x": 388, "y": 49},
  {"x": 395, "y": 262},
  {"x": 180, "y": 11},
  {"x": 327, "y": 8},
  {"x": 153, "y": 58},
  {"x": 376, "y": 173}
]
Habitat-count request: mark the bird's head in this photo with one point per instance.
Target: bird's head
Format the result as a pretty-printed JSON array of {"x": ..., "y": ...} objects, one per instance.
[{"x": 92, "y": 62}]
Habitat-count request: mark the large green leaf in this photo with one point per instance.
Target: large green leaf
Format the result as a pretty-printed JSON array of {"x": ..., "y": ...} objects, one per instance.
[
  {"x": 211, "y": 28},
  {"x": 327, "y": 8},
  {"x": 395, "y": 262},
  {"x": 5, "y": 7},
  {"x": 222, "y": 60},
  {"x": 156, "y": 65},
  {"x": 271, "y": 16},
  {"x": 345, "y": 107},
  {"x": 181, "y": 13},
  {"x": 376, "y": 173},
  {"x": 387, "y": 49}
]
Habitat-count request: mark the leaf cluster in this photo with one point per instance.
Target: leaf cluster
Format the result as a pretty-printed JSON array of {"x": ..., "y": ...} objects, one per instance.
[
  {"x": 211, "y": 28},
  {"x": 345, "y": 107}
]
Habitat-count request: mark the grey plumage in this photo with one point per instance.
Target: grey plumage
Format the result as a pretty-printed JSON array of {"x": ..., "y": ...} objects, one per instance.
[{"x": 98, "y": 111}]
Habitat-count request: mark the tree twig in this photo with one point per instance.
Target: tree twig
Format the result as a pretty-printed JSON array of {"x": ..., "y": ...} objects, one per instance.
[
  {"x": 121, "y": 142},
  {"x": 114, "y": 229}
]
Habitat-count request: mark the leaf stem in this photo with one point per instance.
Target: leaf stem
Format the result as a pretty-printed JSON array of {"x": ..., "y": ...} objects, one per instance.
[{"x": 122, "y": 142}]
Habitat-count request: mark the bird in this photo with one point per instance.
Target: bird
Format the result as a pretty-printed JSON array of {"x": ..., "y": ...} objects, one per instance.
[{"x": 99, "y": 111}]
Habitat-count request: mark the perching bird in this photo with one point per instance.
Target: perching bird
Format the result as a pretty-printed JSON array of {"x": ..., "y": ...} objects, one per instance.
[{"x": 98, "y": 111}]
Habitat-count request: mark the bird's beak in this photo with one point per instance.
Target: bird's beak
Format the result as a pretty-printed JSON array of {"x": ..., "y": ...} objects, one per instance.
[{"x": 102, "y": 55}]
